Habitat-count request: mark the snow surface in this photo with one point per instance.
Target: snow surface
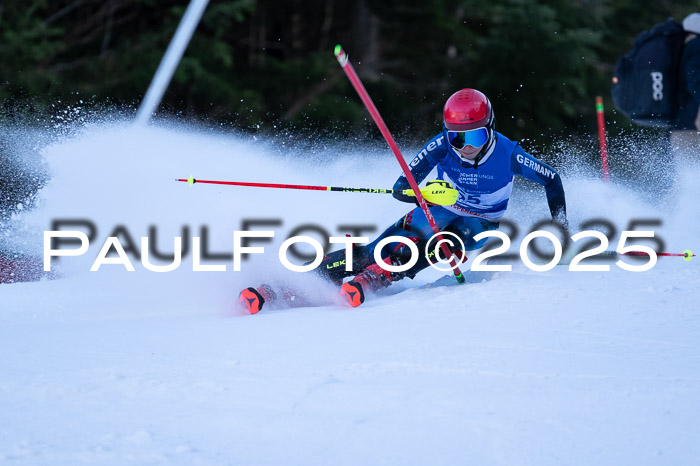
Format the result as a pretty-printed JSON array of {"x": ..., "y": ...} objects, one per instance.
[{"x": 552, "y": 368}]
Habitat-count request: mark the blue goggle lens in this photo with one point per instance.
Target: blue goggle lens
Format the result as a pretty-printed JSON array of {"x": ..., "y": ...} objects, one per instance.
[{"x": 475, "y": 138}]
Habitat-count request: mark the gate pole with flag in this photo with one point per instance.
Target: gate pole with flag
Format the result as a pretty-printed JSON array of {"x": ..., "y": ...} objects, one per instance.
[{"x": 601, "y": 136}]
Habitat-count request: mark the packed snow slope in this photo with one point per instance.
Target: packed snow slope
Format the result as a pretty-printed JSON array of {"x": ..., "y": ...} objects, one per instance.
[{"x": 521, "y": 367}]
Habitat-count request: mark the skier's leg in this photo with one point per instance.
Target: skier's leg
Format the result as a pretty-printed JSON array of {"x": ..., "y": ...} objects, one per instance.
[
  {"x": 468, "y": 227},
  {"x": 464, "y": 227},
  {"x": 332, "y": 267},
  {"x": 412, "y": 225}
]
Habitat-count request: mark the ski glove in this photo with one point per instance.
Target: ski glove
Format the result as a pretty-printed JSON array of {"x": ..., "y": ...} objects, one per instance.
[{"x": 436, "y": 192}]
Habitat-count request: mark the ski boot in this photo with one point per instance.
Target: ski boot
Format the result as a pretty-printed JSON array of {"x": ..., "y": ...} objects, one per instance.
[
  {"x": 253, "y": 299},
  {"x": 374, "y": 277},
  {"x": 371, "y": 279}
]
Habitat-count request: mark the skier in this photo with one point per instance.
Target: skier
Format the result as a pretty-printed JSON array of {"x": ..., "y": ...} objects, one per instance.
[{"x": 470, "y": 155}]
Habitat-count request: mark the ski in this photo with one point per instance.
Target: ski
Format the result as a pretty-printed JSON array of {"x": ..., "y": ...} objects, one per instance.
[
  {"x": 280, "y": 296},
  {"x": 371, "y": 278}
]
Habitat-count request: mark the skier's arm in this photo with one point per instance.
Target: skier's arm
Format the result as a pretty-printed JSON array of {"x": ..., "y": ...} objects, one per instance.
[
  {"x": 529, "y": 167},
  {"x": 691, "y": 71},
  {"x": 691, "y": 68},
  {"x": 420, "y": 167}
]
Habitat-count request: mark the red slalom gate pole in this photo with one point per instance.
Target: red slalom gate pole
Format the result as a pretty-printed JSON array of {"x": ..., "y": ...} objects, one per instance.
[
  {"x": 601, "y": 136},
  {"x": 342, "y": 58}
]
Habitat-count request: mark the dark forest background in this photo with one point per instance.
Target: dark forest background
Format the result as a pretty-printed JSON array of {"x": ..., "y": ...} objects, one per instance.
[{"x": 262, "y": 65}]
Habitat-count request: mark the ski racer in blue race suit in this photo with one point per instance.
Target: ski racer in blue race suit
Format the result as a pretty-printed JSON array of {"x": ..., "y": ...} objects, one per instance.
[
  {"x": 480, "y": 163},
  {"x": 470, "y": 155}
]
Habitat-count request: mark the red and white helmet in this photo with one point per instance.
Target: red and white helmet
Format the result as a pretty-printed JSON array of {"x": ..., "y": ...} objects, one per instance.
[{"x": 467, "y": 111}]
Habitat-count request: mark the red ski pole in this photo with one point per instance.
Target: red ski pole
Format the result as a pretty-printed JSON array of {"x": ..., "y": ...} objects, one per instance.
[
  {"x": 192, "y": 181},
  {"x": 434, "y": 192},
  {"x": 686, "y": 255},
  {"x": 357, "y": 84}
]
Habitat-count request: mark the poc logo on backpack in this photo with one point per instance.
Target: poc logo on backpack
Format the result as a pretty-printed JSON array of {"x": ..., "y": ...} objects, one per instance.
[
  {"x": 645, "y": 86},
  {"x": 657, "y": 85}
]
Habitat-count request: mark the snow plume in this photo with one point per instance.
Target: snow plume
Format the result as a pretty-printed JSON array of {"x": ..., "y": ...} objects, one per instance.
[
  {"x": 636, "y": 158},
  {"x": 22, "y": 175},
  {"x": 115, "y": 179},
  {"x": 647, "y": 187},
  {"x": 21, "y": 169},
  {"x": 24, "y": 169},
  {"x": 684, "y": 214},
  {"x": 120, "y": 179}
]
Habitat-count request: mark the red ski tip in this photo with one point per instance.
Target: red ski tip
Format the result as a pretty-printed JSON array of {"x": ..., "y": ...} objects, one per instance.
[
  {"x": 352, "y": 293},
  {"x": 251, "y": 300}
]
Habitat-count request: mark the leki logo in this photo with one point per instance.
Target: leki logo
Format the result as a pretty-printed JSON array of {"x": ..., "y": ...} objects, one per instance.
[{"x": 657, "y": 85}]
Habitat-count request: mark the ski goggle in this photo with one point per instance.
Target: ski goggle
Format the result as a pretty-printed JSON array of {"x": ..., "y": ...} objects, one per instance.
[{"x": 475, "y": 138}]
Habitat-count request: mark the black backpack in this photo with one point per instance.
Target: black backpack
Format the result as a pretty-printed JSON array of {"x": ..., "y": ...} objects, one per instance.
[{"x": 646, "y": 83}]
